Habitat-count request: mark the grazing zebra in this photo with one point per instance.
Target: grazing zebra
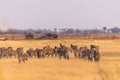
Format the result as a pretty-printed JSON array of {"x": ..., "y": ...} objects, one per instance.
[
  {"x": 75, "y": 50},
  {"x": 21, "y": 56},
  {"x": 48, "y": 51},
  {"x": 10, "y": 51},
  {"x": 63, "y": 52},
  {"x": 40, "y": 53},
  {"x": 95, "y": 51}
]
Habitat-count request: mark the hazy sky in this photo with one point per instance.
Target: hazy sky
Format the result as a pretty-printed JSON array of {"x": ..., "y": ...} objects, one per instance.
[{"x": 24, "y": 14}]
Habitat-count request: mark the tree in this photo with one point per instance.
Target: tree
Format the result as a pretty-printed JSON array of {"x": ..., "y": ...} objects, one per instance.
[
  {"x": 115, "y": 30},
  {"x": 29, "y": 36},
  {"x": 55, "y": 30},
  {"x": 52, "y": 36},
  {"x": 9, "y": 31},
  {"x": 70, "y": 31},
  {"x": 77, "y": 31},
  {"x": 1, "y": 31},
  {"x": 104, "y": 29},
  {"x": 38, "y": 31}
]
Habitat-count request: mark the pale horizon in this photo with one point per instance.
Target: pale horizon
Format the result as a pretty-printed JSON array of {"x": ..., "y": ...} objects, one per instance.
[{"x": 35, "y": 14}]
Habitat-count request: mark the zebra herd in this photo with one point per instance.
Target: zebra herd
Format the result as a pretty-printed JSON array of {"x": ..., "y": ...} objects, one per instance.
[{"x": 62, "y": 51}]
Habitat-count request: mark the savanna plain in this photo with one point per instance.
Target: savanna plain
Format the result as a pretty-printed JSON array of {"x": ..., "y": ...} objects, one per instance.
[{"x": 52, "y": 68}]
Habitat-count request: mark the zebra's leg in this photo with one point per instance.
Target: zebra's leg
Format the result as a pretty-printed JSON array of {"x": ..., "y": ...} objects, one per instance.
[{"x": 19, "y": 61}]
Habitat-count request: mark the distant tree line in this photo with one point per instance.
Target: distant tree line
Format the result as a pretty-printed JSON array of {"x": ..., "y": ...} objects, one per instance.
[{"x": 62, "y": 31}]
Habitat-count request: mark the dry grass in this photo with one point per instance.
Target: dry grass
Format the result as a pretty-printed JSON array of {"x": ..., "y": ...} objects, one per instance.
[
  {"x": 54, "y": 69},
  {"x": 105, "y": 45}
]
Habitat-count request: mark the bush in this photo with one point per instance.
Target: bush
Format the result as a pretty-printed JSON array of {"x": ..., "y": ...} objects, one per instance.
[
  {"x": 29, "y": 36},
  {"x": 52, "y": 36}
]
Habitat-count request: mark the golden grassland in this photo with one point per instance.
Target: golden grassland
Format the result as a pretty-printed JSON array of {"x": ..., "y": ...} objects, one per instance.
[{"x": 54, "y": 69}]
